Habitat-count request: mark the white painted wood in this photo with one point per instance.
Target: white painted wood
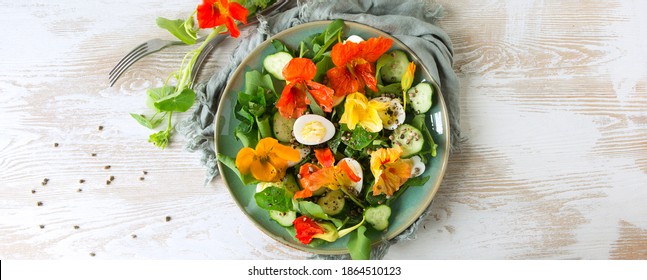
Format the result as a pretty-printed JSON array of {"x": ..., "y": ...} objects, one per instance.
[{"x": 554, "y": 107}]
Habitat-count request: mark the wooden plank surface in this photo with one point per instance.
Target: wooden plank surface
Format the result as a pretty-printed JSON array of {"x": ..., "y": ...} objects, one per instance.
[{"x": 554, "y": 110}]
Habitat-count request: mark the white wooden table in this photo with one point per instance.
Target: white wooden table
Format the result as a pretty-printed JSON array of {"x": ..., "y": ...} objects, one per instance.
[{"x": 554, "y": 108}]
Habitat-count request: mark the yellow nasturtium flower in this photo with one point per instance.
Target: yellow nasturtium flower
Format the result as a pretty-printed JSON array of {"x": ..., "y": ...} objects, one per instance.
[
  {"x": 389, "y": 170},
  {"x": 407, "y": 81},
  {"x": 268, "y": 161},
  {"x": 358, "y": 110}
]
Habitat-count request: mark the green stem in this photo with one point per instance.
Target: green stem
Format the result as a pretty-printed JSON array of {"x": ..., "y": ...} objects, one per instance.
[
  {"x": 168, "y": 122},
  {"x": 185, "y": 71},
  {"x": 352, "y": 197}
]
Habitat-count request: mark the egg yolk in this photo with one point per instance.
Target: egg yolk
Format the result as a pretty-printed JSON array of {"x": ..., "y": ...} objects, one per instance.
[{"x": 313, "y": 131}]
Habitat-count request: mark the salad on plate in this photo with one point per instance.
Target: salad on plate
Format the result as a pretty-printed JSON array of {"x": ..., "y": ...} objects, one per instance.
[{"x": 333, "y": 131}]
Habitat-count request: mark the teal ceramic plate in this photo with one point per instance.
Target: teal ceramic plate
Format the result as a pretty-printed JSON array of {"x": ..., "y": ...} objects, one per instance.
[{"x": 409, "y": 206}]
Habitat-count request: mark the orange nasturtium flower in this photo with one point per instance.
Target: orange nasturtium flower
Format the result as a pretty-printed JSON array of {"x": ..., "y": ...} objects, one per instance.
[
  {"x": 389, "y": 170},
  {"x": 355, "y": 65},
  {"x": 268, "y": 161},
  {"x": 299, "y": 73},
  {"x": 359, "y": 110},
  {"x": 306, "y": 229},
  {"x": 313, "y": 177},
  {"x": 212, "y": 13}
]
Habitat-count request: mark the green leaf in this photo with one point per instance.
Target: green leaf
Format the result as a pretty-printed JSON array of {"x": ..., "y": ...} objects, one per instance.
[
  {"x": 264, "y": 126},
  {"x": 230, "y": 162},
  {"x": 375, "y": 199},
  {"x": 254, "y": 103},
  {"x": 254, "y": 80},
  {"x": 360, "y": 138},
  {"x": 141, "y": 119},
  {"x": 280, "y": 46},
  {"x": 155, "y": 94},
  {"x": 178, "y": 102},
  {"x": 333, "y": 29},
  {"x": 253, "y": 6},
  {"x": 274, "y": 198},
  {"x": 313, "y": 210},
  {"x": 160, "y": 139},
  {"x": 178, "y": 29},
  {"x": 393, "y": 89},
  {"x": 334, "y": 143},
  {"x": 359, "y": 246},
  {"x": 314, "y": 106},
  {"x": 245, "y": 117},
  {"x": 247, "y": 138},
  {"x": 328, "y": 38},
  {"x": 412, "y": 182},
  {"x": 323, "y": 66}
]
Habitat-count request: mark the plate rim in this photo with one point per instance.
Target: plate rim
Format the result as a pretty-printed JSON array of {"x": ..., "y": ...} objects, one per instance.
[{"x": 445, "y": 119}]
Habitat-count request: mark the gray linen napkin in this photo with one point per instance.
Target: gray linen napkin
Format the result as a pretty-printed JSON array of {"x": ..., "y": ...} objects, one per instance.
[{"x": 412, "y": 22}]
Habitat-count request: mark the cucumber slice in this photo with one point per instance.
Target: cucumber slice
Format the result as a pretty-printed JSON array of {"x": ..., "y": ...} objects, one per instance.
[
  {"x": 394, "y": 64},
  {"x": 282, "y": 128},
  {"x": 409, "y": 138},
  {"x": 378, "y": 216},
  {"x": 290, "y": 183},
  {"x": 274, "y": 64},
  {"x": 332, "y": 202},
  {"x": 420, "y": 97},
  {"x": 283, "y": 218}
]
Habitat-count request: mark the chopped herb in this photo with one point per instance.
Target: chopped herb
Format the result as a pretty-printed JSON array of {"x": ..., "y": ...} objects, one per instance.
[
  {"x": 41, "y": 226},
  {"x": 107, "y": 167},
  {"x": 81, "y": 181},
  {"x": 40, "y": 203},
  {"x": 79, "y": 190},
  {"x": 141, "y": 178},
  {"x": 92, "y": 254},
  {"x": 55, "y": 144},
  {"x": 33, "y": 191},
  {"x": 101, "y": 127},
  {"x": 76, "y": 227},
  {"x": 168, "y": 218},
  {"x": 93, "y": 154}
]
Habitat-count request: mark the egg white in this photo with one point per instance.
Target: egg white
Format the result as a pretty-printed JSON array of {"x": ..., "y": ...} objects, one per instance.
[
  {"x": 305, "y": 119},
  {"x": 357, "y": 169}
]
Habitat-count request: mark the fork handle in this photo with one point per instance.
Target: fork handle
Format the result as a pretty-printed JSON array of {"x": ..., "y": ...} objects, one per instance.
[{"x": 201, "y": 57}]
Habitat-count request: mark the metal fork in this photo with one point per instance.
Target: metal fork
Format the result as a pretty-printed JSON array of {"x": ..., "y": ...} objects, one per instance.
[
  {"x": 136, "y": 54},
  {"x": 156, "y": 45}
]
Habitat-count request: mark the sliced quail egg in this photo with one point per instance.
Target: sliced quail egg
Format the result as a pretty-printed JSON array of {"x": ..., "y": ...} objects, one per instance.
[
  {"x": 354, "y": 39},
  {"x": 313, "y": 129},
  {"x": 394, "y": 114},
  {"x": 357, "y": 169},
  {"x": 418, "y": 167}
]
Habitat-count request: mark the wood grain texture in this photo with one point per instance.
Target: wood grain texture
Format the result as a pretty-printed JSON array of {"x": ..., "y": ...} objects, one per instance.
[{"x": 554, "y": 109}]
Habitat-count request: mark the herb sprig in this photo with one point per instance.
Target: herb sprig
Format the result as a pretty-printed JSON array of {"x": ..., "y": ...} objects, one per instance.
[{"x": 169, "y": 99}]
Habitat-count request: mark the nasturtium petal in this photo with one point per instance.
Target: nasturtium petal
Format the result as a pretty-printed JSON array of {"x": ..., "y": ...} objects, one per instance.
[
  {"x": 244, "y": 159},
  {"x": 264, "y": 171},
  {"x": 299, "y": 69},
  {"x": 286, "y": 153}
]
